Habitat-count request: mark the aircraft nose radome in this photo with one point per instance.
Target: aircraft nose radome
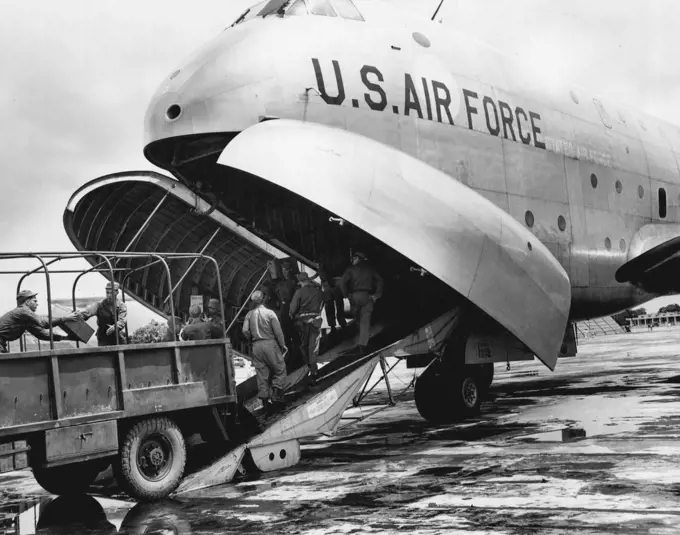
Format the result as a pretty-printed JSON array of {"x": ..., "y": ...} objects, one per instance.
[{"x": 219, "y": 89}]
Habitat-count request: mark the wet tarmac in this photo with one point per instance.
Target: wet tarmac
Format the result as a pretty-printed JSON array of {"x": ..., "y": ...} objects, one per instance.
[{"x": 591, "y": 448}]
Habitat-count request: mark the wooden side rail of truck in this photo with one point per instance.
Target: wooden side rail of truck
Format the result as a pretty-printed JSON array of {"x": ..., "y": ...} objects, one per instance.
[{"x": 77, "y": 410}]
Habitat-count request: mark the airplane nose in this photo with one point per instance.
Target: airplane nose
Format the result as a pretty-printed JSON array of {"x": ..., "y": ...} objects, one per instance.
[{"x": 220, "y": 89}]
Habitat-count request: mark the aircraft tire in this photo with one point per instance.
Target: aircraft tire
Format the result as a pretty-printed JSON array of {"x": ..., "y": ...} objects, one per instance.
[
  {"x": 152, "y": 459},
  {"x": 485, "y": 374},
  {"x": 466, "y": 393},
  {"x": 428, "y": 393},
  {"x": 69, "y": 479},
  {"x": 446, "y": 394}
]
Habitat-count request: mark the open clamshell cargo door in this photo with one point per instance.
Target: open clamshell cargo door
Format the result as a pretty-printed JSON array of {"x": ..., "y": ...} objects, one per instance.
[
  {"x": 443, "y": 226},
  {"x": 147, "y": 212}
]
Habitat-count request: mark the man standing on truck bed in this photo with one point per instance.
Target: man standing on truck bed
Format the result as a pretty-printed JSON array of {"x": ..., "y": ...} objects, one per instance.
[
  {"x": 215, "y": 314},
  {"x": 364, "y": 286},
  {"x": 23, "y": 318},
  {"x": 106, "y": 330},
  {"x": 197, "y": 329},
  {"x": 262, "y": 327}
]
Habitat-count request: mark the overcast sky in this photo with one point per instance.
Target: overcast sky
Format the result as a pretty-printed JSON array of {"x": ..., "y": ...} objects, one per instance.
[{"x": 77, "y": 76}]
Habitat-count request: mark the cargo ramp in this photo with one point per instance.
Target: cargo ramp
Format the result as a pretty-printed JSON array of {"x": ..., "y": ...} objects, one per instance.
[{"x": 310, "y": 409}]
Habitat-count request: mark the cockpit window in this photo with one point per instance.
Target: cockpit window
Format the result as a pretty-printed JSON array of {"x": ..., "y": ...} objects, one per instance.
[
  {"x": 346, "y": 9},
  {"x": 250, "y": 13},
  {"x": 329, "y": 8},
  {"x": 297, "y": 8},
  {"x": 273, "y": 6},
  {"x": 321, "y": 7}
]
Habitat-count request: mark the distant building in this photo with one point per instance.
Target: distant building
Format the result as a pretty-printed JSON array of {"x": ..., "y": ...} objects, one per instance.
[{"x": 650, "y": 321}]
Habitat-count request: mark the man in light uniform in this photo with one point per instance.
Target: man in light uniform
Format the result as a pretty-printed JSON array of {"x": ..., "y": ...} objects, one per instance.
[
  {"x": 362, "y": 284},
  {"x": 305, "y": 311},
  {"x": 106, "y": 327},
  {"x": 23, "y": 318},
  {"x": 262, "y": 327}
]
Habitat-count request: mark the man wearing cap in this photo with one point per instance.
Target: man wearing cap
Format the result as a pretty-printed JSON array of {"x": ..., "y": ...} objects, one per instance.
[
  {"x": 215, "y": 314},
  {"x": 261, "y": 327},
  {"x": 23, "y": 318},
  {"x": 305, "y": 311},
  {"x": 364, "y": 286},
  {"x": 104, "y": 310},
  {"x": 197, "y": 329}
]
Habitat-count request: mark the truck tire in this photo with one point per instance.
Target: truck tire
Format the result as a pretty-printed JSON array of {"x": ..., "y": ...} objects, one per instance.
[
  {"x": 165, "y": 516},
  {"x": 152, "y": 458},
  {"x": 69, "y": 479}
]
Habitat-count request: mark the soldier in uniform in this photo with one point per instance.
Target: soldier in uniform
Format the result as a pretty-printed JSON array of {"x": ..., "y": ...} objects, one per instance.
[
  {"x": 333, "y": 300},
  {"x": 214, "y": 313},
  {"x": 362, "y": 284},
  {"x": 197, "y": 329},
  {"x": 104, "y": 311},
  {"x": 305, "y": 311},
  {"x": 261, "y": 327},
  {"x": 23, "y": 318}
]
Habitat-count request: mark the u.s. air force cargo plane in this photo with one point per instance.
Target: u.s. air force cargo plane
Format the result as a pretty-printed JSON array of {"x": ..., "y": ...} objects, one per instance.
[{"x": 309, "y": 128}]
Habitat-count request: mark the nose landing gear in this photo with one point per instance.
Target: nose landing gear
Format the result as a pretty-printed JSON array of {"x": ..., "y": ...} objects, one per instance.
[{"x": 446, "y": 393}]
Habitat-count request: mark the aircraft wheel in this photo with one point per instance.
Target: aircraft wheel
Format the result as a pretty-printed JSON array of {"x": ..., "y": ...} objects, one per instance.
[
  {"x": 445, "y": 394},
  {"x": 69, "y": 479},
  {"x": 428, "y": 394},
  {"x": 152, "y": 459},
  {"x": 467, "y": 393},
  {"x": 485, "y": 374}
]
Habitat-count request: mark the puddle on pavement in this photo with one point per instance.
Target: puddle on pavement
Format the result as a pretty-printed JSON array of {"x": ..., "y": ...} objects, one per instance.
[
  {"x": 96, "y": 515},
  {"x": 593, "y": 416},
  {"x": 71, "y": 515}
]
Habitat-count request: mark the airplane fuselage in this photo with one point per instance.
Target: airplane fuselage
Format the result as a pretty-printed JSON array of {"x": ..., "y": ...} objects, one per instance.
[{"x": 583, "y": 176}]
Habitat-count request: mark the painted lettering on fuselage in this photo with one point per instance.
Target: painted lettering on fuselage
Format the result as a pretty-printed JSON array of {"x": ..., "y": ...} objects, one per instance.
[
  {"x": 435, "y": 100},
  {"x": 578, "y": 152},
  {"x": 501, "y": 119},
  {"x": 424, "y": 98}
]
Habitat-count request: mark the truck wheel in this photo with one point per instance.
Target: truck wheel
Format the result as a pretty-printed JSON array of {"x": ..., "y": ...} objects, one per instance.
[
  {"x": 161, "y": 517},
  {"x": 152, "y": 459},
  {"x": 68, "y": 479}
]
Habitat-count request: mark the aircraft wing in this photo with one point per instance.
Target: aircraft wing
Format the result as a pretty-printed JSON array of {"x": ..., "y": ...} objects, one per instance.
[{"x": 653, "y": 259}]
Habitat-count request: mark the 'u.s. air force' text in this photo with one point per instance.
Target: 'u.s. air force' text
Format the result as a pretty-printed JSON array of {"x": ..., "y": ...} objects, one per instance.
[{"x": 431, "y": 100}]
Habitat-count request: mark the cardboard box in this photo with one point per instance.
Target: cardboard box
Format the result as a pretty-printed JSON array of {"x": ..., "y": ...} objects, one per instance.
[{"x": 79, "y": 328}]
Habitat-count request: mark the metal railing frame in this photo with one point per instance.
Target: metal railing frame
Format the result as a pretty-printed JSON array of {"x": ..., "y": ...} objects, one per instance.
[{"x": 106, "y": 257}]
